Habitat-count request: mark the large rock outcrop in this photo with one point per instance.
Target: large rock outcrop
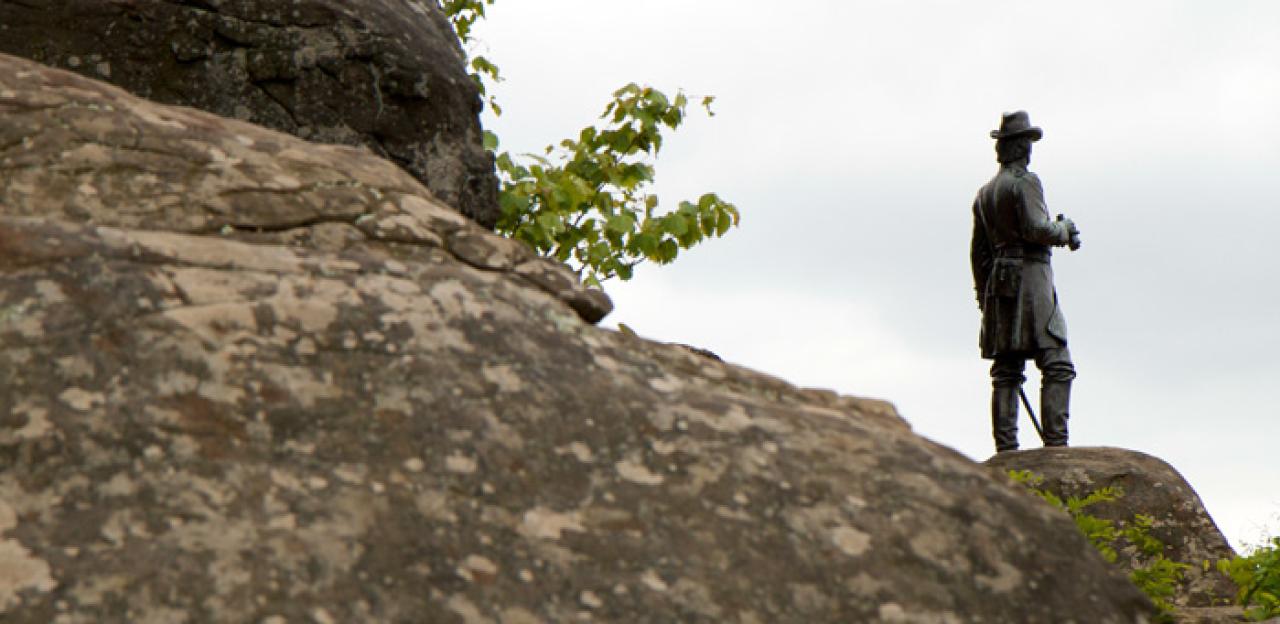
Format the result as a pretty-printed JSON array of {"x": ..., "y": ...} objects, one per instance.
[
  {"x": 241, "y": 387},
  {"x": 385, "y": 74},
  {"x": 80, "y": 150},
  {"x": 1151, "y": 487}
]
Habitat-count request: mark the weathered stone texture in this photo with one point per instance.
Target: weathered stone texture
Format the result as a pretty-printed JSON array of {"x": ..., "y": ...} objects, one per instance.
[
  {"x": 80, "y": 150},
  {"x": 385, "y": 74},
  {"x": 248, "y": 379},
  {"x": 1216, "y": 615},
  {"x": 1151, "y": 487}
]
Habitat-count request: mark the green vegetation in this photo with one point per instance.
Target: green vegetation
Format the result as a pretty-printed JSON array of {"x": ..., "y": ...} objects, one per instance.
[
  {"x": 1156, "y": 576},
  {"x": 463, "y": 15},
  {"x": 1258, "y": 576},
  {"x": 586, "y": 200}
]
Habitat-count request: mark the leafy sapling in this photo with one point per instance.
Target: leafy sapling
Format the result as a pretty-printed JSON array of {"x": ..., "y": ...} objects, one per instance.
[{"x": 588, "y": 200}]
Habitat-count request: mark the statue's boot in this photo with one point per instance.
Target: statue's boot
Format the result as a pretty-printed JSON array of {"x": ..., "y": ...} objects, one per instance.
[
  {"x": 1004, "y": 417},
  {"x": 1055, "y": 402}
]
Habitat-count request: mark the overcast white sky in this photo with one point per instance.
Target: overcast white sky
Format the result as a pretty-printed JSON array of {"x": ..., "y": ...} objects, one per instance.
[{"x": 852, "y": 135}]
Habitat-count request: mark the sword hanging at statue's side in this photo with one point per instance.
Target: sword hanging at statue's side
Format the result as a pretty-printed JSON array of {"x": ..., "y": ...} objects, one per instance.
[{"x": 1030, "y": 412}]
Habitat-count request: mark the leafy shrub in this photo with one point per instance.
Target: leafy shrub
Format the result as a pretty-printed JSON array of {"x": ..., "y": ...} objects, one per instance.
[
  {"x": 586, "y": 200},
  {"x": 1157, "y": 576},
  {"x": 1258, "y": 576}
]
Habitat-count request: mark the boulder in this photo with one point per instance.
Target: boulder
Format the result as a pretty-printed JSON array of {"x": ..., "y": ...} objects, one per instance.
[
  {"x": 249, "y": 379},
  {"x": 384, "y": 74},
  {"x": 1151, "y": 487},
  {"x": 83, "y": 151}
]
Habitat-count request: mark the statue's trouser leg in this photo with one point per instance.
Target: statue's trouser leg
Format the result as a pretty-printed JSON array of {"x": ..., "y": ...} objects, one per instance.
[
  {"x": 1056, "y": 373},
  {"x": 1006, "y": 380}
]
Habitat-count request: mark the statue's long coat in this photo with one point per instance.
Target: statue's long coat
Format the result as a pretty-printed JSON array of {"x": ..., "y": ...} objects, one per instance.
[{"x": 1009, "y": 253}]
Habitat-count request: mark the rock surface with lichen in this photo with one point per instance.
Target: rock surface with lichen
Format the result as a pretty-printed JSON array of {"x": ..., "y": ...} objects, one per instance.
[
  {"x": 251, "y": 379},
  {"x": 385, "y": 74}
]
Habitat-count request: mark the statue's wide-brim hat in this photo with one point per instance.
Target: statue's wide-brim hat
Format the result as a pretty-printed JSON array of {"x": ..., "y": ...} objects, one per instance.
[{"x": 1017, "y": 124}]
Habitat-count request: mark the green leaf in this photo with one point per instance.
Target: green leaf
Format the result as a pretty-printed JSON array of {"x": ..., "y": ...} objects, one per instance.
[
  {"x": 676, "y": 224},
  {"x": 657, "y": 98},
  {"x": 667, "y": 251},
  {"x": 646, "y": 245},
  {"x": 551, "y": 221},
  {"x": 482, "y": 66},
  {"x": 724, "y": 221},
  {"x": 631, "y": 89},
  {"x": 490, "y": 140},
  {"x": 622, "y": 223},
  {"x": 708, "y": 223}
]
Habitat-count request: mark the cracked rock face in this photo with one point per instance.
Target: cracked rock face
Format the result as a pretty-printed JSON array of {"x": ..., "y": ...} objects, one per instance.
[
  {"x": 1151, "y": 487},
  {"x": 248, "y": 379},
  {"x": 384, "y": 74}
]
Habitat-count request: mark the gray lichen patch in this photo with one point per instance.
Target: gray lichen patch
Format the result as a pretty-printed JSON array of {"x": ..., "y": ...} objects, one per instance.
[
  {"x": 20, "y": 571},
  {"x": 850, "y": 541}
]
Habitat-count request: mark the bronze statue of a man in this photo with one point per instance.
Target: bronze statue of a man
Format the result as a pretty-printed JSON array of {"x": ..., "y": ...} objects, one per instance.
[{"x": 1009, "y": 253}]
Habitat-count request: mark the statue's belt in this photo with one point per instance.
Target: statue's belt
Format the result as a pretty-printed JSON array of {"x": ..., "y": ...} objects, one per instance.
[{"x": 1034, "y": 254}]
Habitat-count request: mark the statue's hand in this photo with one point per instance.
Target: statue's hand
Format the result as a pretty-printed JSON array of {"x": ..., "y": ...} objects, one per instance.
[
  {"x": 1073, "y": 232},
  {"x": 1070, "y": 225}
]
